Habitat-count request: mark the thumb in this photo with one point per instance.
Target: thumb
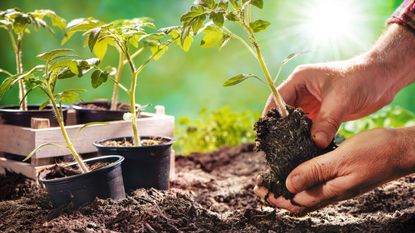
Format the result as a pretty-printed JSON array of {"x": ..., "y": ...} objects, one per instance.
[
  {"x": 327, "y": 122},
  {"x": 310, "y": 173}
]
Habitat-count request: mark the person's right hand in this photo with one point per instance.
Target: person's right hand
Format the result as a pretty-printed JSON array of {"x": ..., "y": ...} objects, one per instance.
[{"x": 332, "y": 93}]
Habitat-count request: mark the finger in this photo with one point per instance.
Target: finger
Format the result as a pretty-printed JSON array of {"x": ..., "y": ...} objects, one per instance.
[
  {"x": 259, "y": 180},
  {"x": 283, "y": 203},
  {"x": 327, "y": 122},
  {"x": 312, "y": 172},
  {"x": 324, "y": 194},
  {"x": 260, "y": 191}
]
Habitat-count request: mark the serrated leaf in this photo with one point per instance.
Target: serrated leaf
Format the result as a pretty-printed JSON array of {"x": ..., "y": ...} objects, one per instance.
[
  {"x": 232, "y": 17},
  {"x": 258, "y": 3},
  {"x": 218, "y": 18},
  {"x": 213, "y": 36},
  {"x": 238, "y": 79},
  {"x": 21, "y": 22},
  {"x": 100, "y": 48},
  {"x": 56, "y": 20},
  {"x": 158, "y": 51},
  {"x": 70, "y": 96},
  {"x": 77, "y": 25},
  {"x": 259, "y": 25},
  {"x": 93, "y": 37},
  {"x": 71, "y": 65},
  {"x": 47, "y": 56},
  {"x": 98, "y": 77}
]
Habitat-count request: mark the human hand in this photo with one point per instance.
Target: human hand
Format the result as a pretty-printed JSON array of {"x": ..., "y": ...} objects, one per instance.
[
  {"x": 358, "y": 165},
  {"x": 331, "y": 93}
]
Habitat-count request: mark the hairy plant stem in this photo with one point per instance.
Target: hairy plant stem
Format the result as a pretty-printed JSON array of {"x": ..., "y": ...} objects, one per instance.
[
  {"x": 114, "y": 99},
  {"x": 17, "y": 46},
  {"x": 278, "y": 99},
  {"x": 135, "y": 72},
  {"x": 69, "y": 144}
]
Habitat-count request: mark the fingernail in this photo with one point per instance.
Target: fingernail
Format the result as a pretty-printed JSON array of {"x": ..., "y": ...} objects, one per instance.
[
  {"x": 297, "y": 182},
  {"x": 321, "y": 137}
]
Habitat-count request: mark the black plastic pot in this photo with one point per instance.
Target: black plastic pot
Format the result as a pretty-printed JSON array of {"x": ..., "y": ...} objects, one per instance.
[
  {"x": 106, "y": 182},
  {"x": 12, "y": 115},
  {"x": 145, "y": 166},
  {"x": 85, "y": 115}
]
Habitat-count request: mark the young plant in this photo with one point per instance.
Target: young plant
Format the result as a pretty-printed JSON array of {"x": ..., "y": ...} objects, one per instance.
[
  {"x": 59, "y": 65},
  {"x": 209, "y": 17},
  {"x": 130, "y": 39},
  {"x": 17, "y": 24}
]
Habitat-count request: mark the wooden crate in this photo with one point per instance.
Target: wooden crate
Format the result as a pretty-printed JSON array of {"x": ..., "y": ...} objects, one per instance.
[{"x": 21, "y": 141}]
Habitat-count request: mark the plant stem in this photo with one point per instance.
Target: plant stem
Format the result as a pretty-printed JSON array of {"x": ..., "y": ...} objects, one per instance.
[
  {"x": 19, "y": 69},
  {"x": 278, "y": 99},
  {"x": 60, "y": 119},
  {"x": 133, "y": 110},
  {"x": 120, "y": 67},
  {"x": 241, "y": 40}
]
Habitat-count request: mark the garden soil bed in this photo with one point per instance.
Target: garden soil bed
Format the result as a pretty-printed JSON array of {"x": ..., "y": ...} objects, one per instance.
[{"x": 211, "y": 193}]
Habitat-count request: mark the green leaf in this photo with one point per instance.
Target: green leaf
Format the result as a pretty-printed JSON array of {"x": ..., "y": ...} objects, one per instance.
[
  {"x": 43, "y": 106},
  {"x": 213, "y": 36},
  {"x": 258, "y": 3},
  {"x": 5, "y": 72},
  {"x": 225, "y": 40},
  {"x": 98, "y": 77},
  {"x": 100, "y": 48},
  {"x": 93, "y": 37},
  {"x": 292, "y": 56},
  {"x": 193, "y": 20},
  {"x": 238, "y": 79},
  {"x": 55, "y": 19},
  {"x": 232, "y": 17},
  {"x": 21, "y": 22},
  {"x": 5, "y": 85},
  {"x": 207, "y": 3},
  {"x": 158, "y": 51},
  {"x": 69, "y": 64},
  {"x": 70, "y": 96},
  {"x": 259, "y": 25},
  {"x": 51, "y": 54},
  {"x": 41, "y": 146},
  {"x": 218, "y": 18},
  {"x": 81, "y": 24}
]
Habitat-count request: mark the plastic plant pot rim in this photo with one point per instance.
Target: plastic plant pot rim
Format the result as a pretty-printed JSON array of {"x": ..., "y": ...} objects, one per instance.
[
  {"x": 119, "y": 160},
  {"x": 15, "y": 108},
  {"x": 77, "y": 107},
  {"x": 98, "y": 144}
]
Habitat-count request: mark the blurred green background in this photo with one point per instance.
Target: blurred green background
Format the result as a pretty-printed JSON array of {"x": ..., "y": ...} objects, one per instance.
[{"x": 186, "y": 83}]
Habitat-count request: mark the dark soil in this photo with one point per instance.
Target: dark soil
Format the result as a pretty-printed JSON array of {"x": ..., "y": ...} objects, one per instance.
[
  {"x": 60, "y": 171},
  {"x": 287, "y": 143},
  {"x": 128, "y": 143},
  {"x": 213, "y": 193},
  {"x": 120, "y": 107},
  {"x": 14, "y": 186}
]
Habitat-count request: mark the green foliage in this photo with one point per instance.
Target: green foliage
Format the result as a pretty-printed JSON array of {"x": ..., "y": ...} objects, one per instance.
[
  {"x": 238, "y": 79},
  {"x": 388, "y": 117},
  {"x": 18, "y": 21},
  {"x": 222, "y": 127}
]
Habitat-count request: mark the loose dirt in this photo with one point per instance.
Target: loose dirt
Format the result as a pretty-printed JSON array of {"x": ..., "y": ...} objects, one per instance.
[
  {"x": 213, "y": 193},
  {"x": 287, "y": 143}
]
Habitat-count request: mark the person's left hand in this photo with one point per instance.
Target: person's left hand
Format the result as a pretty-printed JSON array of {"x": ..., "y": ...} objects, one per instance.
[{"x": 358, "y": 165}]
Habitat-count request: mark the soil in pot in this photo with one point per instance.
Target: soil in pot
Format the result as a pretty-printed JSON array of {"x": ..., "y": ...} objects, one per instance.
[
  {"x": 12, "y": 115},
  {"x": 66, "y": 186},
  {"x": 287, "y": 143},
  {"x": 99, "y": 111},
  {"x": 147, "y": 166}
]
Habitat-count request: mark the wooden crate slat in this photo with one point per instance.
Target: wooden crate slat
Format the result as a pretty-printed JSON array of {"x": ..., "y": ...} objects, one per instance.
[
  {"x": 160, "y": 125},
  {"x": 21, "y": 141},
  {"x": 16, "y": 140}
]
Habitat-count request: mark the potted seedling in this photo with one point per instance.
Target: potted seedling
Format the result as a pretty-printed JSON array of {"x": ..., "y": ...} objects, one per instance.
[
  {"x": 17, "y": 24},
  {"x": 81, "y": 181},
  {"x": 284, "y": 133},
  {"x": 104, "y": 110},
  {"x": 147, "y": 158}
]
